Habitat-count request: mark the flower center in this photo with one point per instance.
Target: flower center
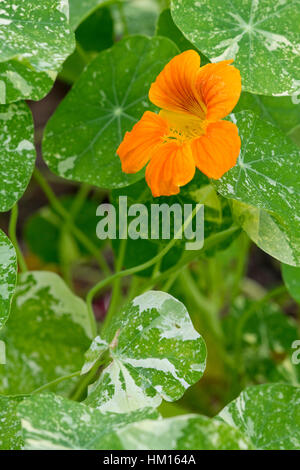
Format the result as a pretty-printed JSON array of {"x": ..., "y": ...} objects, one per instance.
[{"x": 182, "y": 127}]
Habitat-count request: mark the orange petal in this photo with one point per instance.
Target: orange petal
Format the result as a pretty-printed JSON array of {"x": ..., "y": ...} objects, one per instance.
[
  {"x": 217, "y": 151},
  {"x": 172, "y": 166},
  {"x": 175, "y": 87},
  {"x": 220, "y": 87},
  {"x": 138, "y": 145}
]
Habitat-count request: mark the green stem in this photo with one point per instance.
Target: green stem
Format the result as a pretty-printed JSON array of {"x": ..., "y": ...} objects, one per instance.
[
  {"x": 12, "y": 231},
  {"x": 84, "y": 382},
  {"x": 56, "y": 381},
  {"x": 209, "y": 315},
  {"x": 192, "y": 256},
  {"x": 81, "y": 237},
  {"x": 135, "y": 269},
  {"x": 117, "y": 283}
]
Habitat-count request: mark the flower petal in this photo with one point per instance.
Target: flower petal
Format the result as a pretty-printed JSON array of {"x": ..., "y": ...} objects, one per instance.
[
  {"x": 138, "y": 145},
  {"x": 217, "y": 151},
  {"x": 220, "y": 87},
  {"x": 175, "y": 87},
  {"x": 172, "y": 166}
]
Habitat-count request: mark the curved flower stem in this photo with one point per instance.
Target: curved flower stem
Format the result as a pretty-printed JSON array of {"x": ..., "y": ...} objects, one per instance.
[
  {"x": 56, "y": 381},
  {"x": 12, "y": 231},
  {"x": 135, "y": 269},
  {"x": 81, "y": 237}
]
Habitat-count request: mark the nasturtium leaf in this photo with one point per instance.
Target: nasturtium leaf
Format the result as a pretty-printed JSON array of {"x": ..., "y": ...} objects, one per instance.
[
  {"x": 8, "y": 276},
  {"x": 10, "y": 425},
  {"x": 291, "y": 277},
  {"x": 262, "y": 338},
  {"x": 81, "y": 9},
  {"x": 261, "y": 36},
  {"x": 186, "y": 432},
  {"x": 46, "y": 335},
  {"x": 107, "y": 100},
  {"x": 277, "y": 236},
  {"x": 17, "y": 153},
  {"x": 166, "y": 27},
  {"x": 156, "y": 354},
  {"x": 53, "y": 422},
  {"x": 281, "y": 111},
  {"x": 269, "y": 415},
  {"x": 19, "y": 80},
  {"x": 35, "y": 40},
  {"x": 267, "y": 173}
]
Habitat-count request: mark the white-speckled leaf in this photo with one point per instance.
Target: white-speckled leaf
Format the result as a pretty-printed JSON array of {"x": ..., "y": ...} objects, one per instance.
[
  {"x": 291, "y": 277},
  {"x": 81, "y": 9},
  {"x": 156, "y": 354},
  {"x": 277, "y": 236},
  {"x": 107, "y": 100},
  {"x": 187, "y": 432},
  {"x": 267, "y": 174},
  {"x": 17, "y": 153},
  {"x": 269, "y": 415},
  {"x": 281, "y": 111},
  {"x": 262, "y": 36},
  {"x": 35, "y": 39},
  {"x": 46, "y": 335},
  {"x": 8, "y": 276},
  {"x": 51, "y": 422},
  {"x": 10, "y": 425}
]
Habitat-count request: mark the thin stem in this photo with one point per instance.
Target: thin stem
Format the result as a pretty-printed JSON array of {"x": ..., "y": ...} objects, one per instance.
[
  {"x": 135, "y": 269},
  {"x": 56, "y": 381},
  {"x": 117, "y": 283},
  {"x": 85, "y": 381},
  {"x": 192, "y": 256},
  {"x": 81, "y": 237},
  {"x": 12, "y": 231}
]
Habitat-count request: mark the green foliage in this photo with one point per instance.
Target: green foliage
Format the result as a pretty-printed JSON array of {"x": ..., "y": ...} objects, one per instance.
[
  {"x": 268, "y": 414},
  {"x": 262, "y": 38},
  {"x": 46, "y": 335},
  {"x": 105, "y": 373}
]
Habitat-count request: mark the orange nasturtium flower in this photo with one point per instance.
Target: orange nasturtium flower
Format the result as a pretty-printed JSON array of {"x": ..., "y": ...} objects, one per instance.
[{"x": 188, "y": 131}]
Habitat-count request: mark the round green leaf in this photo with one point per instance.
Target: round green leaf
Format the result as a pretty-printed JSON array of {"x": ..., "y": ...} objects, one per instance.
[
  {"x": 261, "y": 36},
  {"x": 46, "y": 335},
  {"x": 17, "y": 153},
  {"x": 187, "y": 432},
  {"x": 51, "y": 422},
  {"x": 8, "y": 275},
  {"x": 267, "y": 174},
  {"x": 156, "y": 354},
  {"x": 291, "y": 277},
  {"x": 82, "y": 136},
  {"x": 268, "y": 414},
  {"x": 35, "y": 40}
]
